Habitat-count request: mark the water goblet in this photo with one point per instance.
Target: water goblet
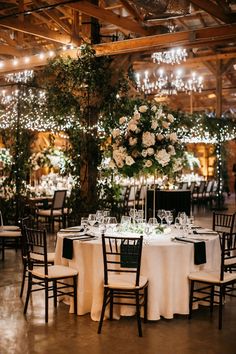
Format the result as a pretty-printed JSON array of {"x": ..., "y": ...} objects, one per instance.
[
  {"x": 161, "y": 214},
  {"x": 92, "y": 219},
  {"x": 169, "y": 219}
]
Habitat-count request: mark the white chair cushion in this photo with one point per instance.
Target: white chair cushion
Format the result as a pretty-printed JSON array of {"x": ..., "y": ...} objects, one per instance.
[
  {"x": 212, "y": 277},
  {"x": 42, "y": 212},
  {"x": 10, "y": 233},
  {"x": 9, "y": 228},
  {"x": 55, "y": 271},
  {"x": 40, "y": 258},
  {"x": 125, "y": 281}
]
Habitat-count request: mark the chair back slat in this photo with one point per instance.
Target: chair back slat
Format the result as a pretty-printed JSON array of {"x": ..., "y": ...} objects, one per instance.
[
  {"x": 59, "y": 199},
  {"x": 122, "y": 255},
  {"x": 223, "y": 223},
  {"x": 228, "y": 251},
  {"x": 36, "y": 245}
]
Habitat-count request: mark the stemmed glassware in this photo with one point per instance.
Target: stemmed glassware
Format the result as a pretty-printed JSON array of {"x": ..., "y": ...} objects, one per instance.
[
  {"x": 161, "y": 215},
  {"x": 92, "y": 219}
]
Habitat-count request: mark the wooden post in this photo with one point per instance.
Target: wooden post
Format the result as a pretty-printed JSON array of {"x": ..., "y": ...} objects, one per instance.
[{"x": 218, "y": 88}]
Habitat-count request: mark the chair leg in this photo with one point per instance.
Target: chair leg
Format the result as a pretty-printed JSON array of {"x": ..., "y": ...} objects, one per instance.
[
  {"x": 55, "y": 293},
  {"x": 46, "y": 300},
  {"x": 75, "y": 294},
  {"x": 111, "y": 304},
  {"x": 212, "y": 298},
  {"x": 28, "y": 292},
  {"x": 191, "y": 299},
  {"x": 145, "y": 304},
  {"x": 138, "y": 314},
  {"x": 23, "y": 279},
  {"x": 221, "y": 306},
  {"x": 103, "y": 310}
]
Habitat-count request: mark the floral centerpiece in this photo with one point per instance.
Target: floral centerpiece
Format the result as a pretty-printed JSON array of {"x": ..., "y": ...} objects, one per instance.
[
  {"x": 145, "y": 143},
  {"x": 50, "y": 157},
  {"x": 5, "y": 157}
]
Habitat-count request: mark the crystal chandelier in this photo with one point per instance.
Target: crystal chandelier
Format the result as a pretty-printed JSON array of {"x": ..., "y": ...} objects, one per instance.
[
  {"x": 173, "y": 56},
  {"x": 165, "y": 84}
]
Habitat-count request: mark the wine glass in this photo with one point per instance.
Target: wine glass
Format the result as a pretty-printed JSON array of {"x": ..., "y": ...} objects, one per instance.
[
  {"x": 125, "y": 219},
  {"x": 92, "y": 219},
  {"x": 169, "y": 219},
  {"x": 178, "y": 223},
  {"x": 161, "y": 214},
  {"x": 152, "y": 223},
  {"x": 112, "y": 223}
]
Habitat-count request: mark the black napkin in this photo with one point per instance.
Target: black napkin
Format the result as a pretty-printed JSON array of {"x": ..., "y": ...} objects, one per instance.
[
  {"x": 67, "y": 251},
  {"x": 129, "y": 255},
  {"x": 199, "y": 250}
]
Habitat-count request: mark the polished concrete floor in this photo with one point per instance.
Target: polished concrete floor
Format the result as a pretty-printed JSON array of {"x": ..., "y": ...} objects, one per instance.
[{"x": 67, "y": 333}]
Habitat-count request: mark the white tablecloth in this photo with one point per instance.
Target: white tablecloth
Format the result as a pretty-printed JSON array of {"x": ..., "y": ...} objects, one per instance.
[{"x": 165, "y": 263}]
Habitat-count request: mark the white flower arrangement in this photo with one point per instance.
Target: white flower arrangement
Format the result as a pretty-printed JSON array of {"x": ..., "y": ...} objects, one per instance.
[
  {"x": 49, "y": 157},
  {"x": 146, "y": 143},
  {"x": 5, "y": 157}
]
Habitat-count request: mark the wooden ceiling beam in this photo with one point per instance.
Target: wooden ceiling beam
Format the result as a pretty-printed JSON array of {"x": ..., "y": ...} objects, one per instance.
[
  {"x": 109, "y": 17},
  {"x": 204, "y": 36},
  {"x": 8, "y": 50},
  {"x": 214, "y": 9},
  {"x": 34, "y": 30}
]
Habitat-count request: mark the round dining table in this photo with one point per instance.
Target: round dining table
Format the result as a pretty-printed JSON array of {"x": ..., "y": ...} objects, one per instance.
[{"x": 166, "y": 262}]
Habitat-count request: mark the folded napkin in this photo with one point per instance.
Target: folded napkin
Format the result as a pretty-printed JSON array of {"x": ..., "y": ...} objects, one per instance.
[
  {"x": 73, "y": 229},
  {"x": 129, "y": 255},
  {"x": 67, "y": 249},
  {"x": 199, "y": 249},
  {"x": 204, "y": 232}
]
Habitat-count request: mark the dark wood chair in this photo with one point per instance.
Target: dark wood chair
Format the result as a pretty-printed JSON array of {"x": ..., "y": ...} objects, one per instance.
[
  {"x": 10, "y": 235},
  {"x": 54, "y": 280},
  {"x": 57, "y": 211},
  {"x": 28, "y": 222},
  {"x": 123, "y": 283},
  {"x": 213, "y": 285},
  {"x": 223, "y": 223}
]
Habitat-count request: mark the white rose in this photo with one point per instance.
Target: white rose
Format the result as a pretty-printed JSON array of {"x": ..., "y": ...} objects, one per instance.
[
  {"x": 148, "y": 163},
  {"x": 116, "y": 132},
  {"x": 165, "y": 124},
  {"x": 122, "y": 120},
  {"x": 143, "y": 109},
  {"x": 132, "y": 141},
  {"x": 148, "y": 139},
  {"x": 162, "y": 157},
  {"x": 132, "y": 125},
  {"x": 144, "y": 153},
  {"x": 112, "y": 164},
  {"x": 129, "y": 160},
  {"x": 154, "y": 124},
  {"x": 136, "y": 115},
  {"x": 173, "y": 137},
  {"x": 150, "y": 151},
  {"x": 154, "y": 108},
  {"x": 171, "y": 150},
  {"x": 160, "y": 136},
  {"x": 170, "y": 118}
]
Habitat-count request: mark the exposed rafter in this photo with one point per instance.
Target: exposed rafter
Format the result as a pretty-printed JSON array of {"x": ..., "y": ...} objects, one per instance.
[{"x": 215, "y": 10}]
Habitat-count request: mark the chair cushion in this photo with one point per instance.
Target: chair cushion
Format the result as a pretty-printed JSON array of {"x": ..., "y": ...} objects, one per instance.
[
  {"x": 55, "y": 271},
  {"x": 9, "y": 228},
  {"x": 40, "y": 258},
  {"x": 125, "y": 281},
  {"x": 10, "y": 233},
  {"x": 48, "y": 212},
  {"x": 212, "y": 277}
]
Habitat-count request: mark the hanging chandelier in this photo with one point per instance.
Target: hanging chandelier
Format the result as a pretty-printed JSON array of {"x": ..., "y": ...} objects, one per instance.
[
  {"x": 166, "y": 84},
  {"x": 173, "y": 56}
]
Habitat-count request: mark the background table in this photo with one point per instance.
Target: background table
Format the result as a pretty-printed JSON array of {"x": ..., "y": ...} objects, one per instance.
[{"x": 165, "y": 263}]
